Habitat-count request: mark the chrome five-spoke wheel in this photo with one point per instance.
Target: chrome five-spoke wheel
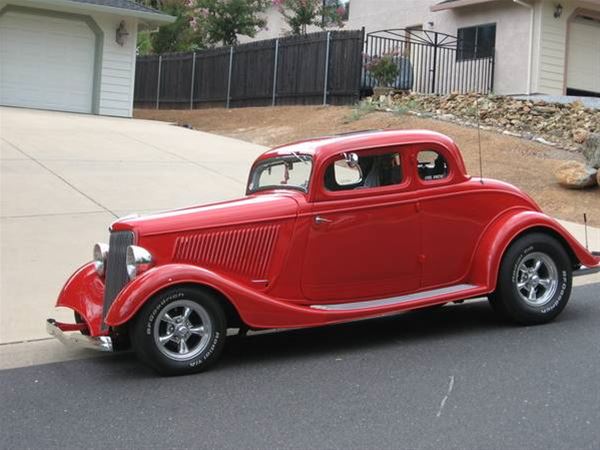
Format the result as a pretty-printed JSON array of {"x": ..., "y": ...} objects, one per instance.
[
  {"x": 534, "y": 280},
  {"x": 182, "y": 330},
  {"x": 537, "y": 279}
]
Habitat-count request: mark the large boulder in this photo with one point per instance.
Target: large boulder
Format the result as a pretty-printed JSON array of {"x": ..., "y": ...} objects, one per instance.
[
  {"x": 576, "y": 175},
  {"x": 591, "y": 150}
]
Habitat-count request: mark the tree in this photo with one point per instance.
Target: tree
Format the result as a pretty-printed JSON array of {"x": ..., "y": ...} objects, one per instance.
[
  {"x": 224, "y": 20},
  {"x": 185, "y": 34},
  {"x": 301, "y": 14}
]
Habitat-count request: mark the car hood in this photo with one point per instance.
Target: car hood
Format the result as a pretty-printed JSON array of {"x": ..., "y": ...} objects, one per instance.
[{"x": 254, "y": 208}]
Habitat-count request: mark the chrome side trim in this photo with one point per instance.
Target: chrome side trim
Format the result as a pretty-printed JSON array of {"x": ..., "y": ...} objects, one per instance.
[
  {"x": 101, "y": 343},
  {"x": 395, "y": 300}
]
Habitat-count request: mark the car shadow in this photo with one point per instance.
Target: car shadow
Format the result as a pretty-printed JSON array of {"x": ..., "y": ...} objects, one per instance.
[
  {"x": 450, "y": 323},
  {"x": 473, "y": 317},
  {"x": 258, "y": 349}
]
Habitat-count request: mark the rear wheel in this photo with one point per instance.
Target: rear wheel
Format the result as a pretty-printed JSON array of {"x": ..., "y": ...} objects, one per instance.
[
  {"x": 180, "y": 331},
  {"x": 534, "y": 282}
]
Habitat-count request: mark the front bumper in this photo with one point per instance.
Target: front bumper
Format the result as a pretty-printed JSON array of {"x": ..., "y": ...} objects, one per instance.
[{"x": 57, "y": 329}]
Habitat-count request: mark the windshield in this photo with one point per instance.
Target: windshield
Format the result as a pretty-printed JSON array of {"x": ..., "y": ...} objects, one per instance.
[{"x": 282, "y": 172}]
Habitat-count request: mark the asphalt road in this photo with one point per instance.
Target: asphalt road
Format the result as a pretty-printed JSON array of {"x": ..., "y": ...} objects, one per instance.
[{"x": 452, "y": 378}]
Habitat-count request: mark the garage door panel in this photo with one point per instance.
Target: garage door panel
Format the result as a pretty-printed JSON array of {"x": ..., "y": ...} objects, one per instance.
[
  {"x": 47, "y": 62},
  {"x": 583, "y": 71}
]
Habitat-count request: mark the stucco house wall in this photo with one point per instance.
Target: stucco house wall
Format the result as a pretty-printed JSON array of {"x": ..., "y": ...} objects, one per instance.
[
  {"x": 276, "y": 27},
  {"x": 520, "y": 68},
  {"x": 512, "y": 27}
]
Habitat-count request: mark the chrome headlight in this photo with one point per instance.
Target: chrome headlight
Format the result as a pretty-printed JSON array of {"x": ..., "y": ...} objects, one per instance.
[
  {"x": 100, "y": 256},
  {"x": 137, "y": 259}
]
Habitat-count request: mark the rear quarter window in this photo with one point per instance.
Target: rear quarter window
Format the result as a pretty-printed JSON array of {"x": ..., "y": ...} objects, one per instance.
[{"x": 432, "y": 165}]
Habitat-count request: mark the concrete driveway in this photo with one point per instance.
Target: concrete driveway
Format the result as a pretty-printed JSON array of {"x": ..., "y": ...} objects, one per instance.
[{"x": 66, "y": 177}]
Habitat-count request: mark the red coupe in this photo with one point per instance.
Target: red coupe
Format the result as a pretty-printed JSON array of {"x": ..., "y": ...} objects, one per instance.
[{"x": 330, "y": 230}]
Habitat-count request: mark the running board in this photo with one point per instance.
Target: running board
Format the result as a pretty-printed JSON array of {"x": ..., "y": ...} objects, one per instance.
[
  {"x": 425, "y": 295},
  {"x": 582, "y": 271}
]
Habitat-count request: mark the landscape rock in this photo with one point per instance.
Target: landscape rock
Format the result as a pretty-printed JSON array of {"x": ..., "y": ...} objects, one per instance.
[
  {"x": 564, "y": 125},
  {"x": 580, "y": 135},
  {"x": 576, "y": 175},
  {"x": 591, "y": 150}
]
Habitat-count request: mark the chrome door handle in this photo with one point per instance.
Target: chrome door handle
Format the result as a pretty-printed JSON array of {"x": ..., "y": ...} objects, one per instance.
[{"x": 321, "y": 220}]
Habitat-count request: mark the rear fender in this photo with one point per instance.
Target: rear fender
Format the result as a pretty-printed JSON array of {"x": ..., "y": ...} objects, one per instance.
[{"x": 505, "y": 229}]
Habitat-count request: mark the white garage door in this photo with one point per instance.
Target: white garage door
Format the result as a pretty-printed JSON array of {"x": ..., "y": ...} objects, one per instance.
[
  {"x": 583, "y": 71},
  {"x": 46, "y": 62}
]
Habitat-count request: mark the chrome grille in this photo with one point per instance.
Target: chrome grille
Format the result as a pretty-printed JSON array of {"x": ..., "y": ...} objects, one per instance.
[{"x": 116, "y": 270}]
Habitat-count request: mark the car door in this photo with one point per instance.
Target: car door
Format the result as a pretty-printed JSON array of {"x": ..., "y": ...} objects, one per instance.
[
  {"x": 452, "y": 218},
  {"x": 364, "y": 237}
]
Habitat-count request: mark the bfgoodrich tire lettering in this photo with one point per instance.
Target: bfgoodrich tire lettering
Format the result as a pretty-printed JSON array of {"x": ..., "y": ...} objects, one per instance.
[
  {"x": 534, "y": 282},
  {"x": 180, "y": 331}
]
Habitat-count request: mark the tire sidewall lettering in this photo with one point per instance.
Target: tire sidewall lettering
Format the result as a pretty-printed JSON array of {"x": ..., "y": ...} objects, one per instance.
[
  {"x": 559, "y": 297},
  {"x": 208, "y": 352},
  {"x": 563, "y": 281},
  {"x": 522, "y": 255},
  {"x": 161, "y": 304}
]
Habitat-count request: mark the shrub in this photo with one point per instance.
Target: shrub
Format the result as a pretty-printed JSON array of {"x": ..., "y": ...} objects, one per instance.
[{"x": 384, "y": 69}]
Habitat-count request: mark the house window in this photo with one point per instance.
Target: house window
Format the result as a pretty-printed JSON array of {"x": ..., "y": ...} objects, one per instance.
[
  {"x": 476, "y": 42},
  {"x": 338, "y": 7}
]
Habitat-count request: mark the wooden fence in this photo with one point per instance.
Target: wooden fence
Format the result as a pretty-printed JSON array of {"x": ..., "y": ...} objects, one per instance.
[{"x": 318, "y": 68}]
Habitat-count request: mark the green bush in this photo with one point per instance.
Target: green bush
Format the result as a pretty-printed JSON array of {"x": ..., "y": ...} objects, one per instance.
[{"x": 384, "y": 69}]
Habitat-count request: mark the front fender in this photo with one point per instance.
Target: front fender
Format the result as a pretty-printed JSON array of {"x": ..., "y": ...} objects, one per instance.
[
  {"x": 499, "y": 235},
  {"x": 84, "y": 293},
  {"x": 255, "y": 308}
]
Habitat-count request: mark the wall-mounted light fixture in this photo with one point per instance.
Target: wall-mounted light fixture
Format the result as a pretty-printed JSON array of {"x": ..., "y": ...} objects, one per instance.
[
  {"x": 122, "y": 33},
  {"x": 558, "y": 11},
  {"x": 430, "y": 24}
]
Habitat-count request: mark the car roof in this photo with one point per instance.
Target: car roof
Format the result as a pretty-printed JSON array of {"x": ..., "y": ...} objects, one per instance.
[{"x": 326, "y": 146}]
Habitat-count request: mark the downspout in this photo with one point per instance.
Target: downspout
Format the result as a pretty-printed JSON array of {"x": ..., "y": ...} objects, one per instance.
[{"x": 530, "y": 56}]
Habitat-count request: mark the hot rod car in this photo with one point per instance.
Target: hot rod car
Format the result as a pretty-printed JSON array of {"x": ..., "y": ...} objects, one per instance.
[{"x": 331, "y": 230}]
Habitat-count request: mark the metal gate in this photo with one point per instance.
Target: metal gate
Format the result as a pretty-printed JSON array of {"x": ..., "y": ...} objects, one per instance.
[{"x": 428, "y": 62}]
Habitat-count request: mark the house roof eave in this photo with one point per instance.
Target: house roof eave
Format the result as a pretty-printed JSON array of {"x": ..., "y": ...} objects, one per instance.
[
  {"x": 452, "y": 4},
  {"x": 151, "y": 19}
]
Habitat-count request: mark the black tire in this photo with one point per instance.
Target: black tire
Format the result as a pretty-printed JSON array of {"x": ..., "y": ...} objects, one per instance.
[
  {"x": 551, "y": 282},
  {"x": 203, "y": 331}
]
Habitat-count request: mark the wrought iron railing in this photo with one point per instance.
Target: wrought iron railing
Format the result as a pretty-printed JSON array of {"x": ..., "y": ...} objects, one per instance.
[{"x": 428, "y": 62}]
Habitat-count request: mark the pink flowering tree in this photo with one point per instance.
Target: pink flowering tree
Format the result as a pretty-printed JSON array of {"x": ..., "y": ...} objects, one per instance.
[
  {"x": 301, "y": 14},
  {"x": 225, "y": 20}
]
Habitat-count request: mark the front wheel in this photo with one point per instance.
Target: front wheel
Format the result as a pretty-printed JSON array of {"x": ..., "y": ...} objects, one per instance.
[
  {"x": 534, "y": 282},
  {"x": 180, "y": 331}
]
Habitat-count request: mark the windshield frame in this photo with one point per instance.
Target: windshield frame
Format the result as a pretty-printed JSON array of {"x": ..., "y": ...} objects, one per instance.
[{"x": 294, "y": 157}]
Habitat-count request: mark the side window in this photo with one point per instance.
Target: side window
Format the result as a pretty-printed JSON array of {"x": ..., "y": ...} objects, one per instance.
[
  {"x": 347, "y": 174},
  {"x": 431, "y": 165},
  {"x": 356, "y": 171}
]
